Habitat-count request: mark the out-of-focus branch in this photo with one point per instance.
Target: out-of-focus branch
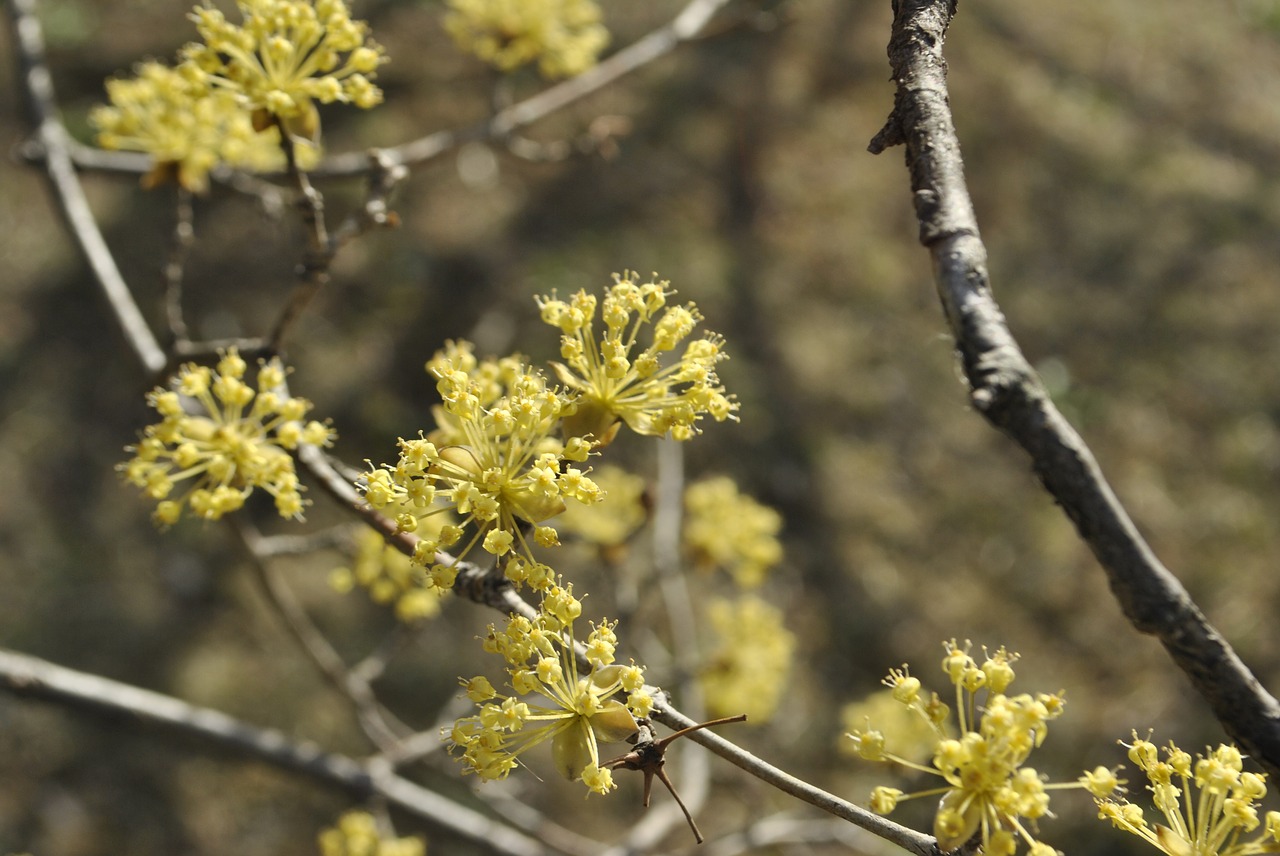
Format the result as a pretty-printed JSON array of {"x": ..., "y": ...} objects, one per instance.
[
  {"x": 184, "y": 236},
  {"x": 687, "y": 25},
  {"x": 1006, "y": 391},
  {"x": 379, "y": 725},
  {"x": 37, "y": 87},
  {"x": 31, "y": 677}
]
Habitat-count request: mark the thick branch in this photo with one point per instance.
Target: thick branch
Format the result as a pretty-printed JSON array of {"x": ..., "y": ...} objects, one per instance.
[
  {"x": 1005, "y": 389},
  {"x": 31, "y": 677}
]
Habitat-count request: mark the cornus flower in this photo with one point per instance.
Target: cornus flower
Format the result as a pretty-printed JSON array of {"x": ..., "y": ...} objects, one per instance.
[
  {"x": 496, "y": 464},
  {"x": 563, "y": 36},
  {"x": 285, "y": 56},
  {"x": 747, "y": 670},
  {"x": 573, "y": 710},
  {"x": 1208, "y": 802},
  {"x": 728, "y": 529},
  {"x": 356, "y": 834},
  {"x": 618, "y": 378},
  {"x": 224, "y": 439},
  {"x": 186, "y": 132},
  {"x": 988, "y": 791}
]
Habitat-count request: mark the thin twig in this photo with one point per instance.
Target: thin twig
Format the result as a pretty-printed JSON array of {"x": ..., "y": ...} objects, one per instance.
[
  {"x": 907, "y": 839},
  {"x": 313, "y": 273},
  {"x": 183, "y": 239},
  {"x": 65, "y": 185},
  {"x": 31, "y": 677},
  {"x": 1007, "y": 392},
  {"x": 685, "y": 26},
  {"x": 381, "y": 727}
]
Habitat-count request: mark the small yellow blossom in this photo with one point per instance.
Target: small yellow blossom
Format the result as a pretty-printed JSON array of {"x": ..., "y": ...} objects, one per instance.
[
  {"x": 727, "y": 529},
  {"x": 285, "y": 56},
  {"x": 563, "y": 36},
  {"x": 574, "y": 711},
  {"x": 988, "y": 791},
  {"x": 747, "y": 670},
  {"x": 1208, "y": 802},
  {"x": 356, "y": 834},
  {"x": 224, "y": 437},
  {"x": 616, "y": 378},
  {"x": 186, "y": 131}
]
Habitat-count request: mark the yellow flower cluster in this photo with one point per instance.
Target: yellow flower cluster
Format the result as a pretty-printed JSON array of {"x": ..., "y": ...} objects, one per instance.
[
  {"x": 1208, "y": 823},
  {"x": 574, "y": 711},
  {"x": 616, "y": 379},
  {"x": 563, "y": 36},
  {"x": 495, "y": 461},
  {"x": 216, "y": 106},
  {"x": 160, "y": 112},
  {"x": 285, "y": 56},
  {"x": 727, "y": 529},
  {"x": 748, "y": 669},
  {"x": 988, "y": 791},
  {"x": 356, "y": 834},
  {"x": 231, "y": 441}
]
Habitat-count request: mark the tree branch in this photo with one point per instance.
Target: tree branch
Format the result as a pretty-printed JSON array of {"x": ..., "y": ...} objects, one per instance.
[
  {"x": 30, "y": 677},
  {"x": 1006, "y": 391},
  {"x": 37, "y": 87}
]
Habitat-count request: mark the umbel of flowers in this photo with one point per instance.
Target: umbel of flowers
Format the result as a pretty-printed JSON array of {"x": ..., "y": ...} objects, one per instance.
[
  {"x": 1208, "y": 803},
  {"x": 571, "y": 708},
  {"x": 988, "y": 790},
  {"x": 220, "y": 439},
  {"x": 618, "y": 377}
]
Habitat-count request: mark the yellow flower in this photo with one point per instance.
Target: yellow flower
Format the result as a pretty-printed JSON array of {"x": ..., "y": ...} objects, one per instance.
[
  {"x": 616, "y": 378},
  {"x": 747, "y": 670},
  {"x": 285, "y": 56},
  {"x": 574, "y": 711},
  {"x": 987, "y": 790},
  {"x": 563, "y": 36},
  {"x": 727, "y": 529},
  {"x": 186, "y": 131},
  {"x": 225, "y": 438},
  {"x": 356, "y": 834},
  {"x": 1208, "y": 802}
]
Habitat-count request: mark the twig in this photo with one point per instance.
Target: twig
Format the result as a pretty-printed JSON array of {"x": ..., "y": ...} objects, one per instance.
[
  {"x": 32, "y": 677},
  {"x": 313, "y": 273},
  {"x": 907, "y": 839},
  {"x": 383, "y": 729},
  {"x": 1006, "y": 391},
  {"x": 68, "y": 194},
  {"x": 183, "y": 239},
  {"x": 686, "y": 26}
]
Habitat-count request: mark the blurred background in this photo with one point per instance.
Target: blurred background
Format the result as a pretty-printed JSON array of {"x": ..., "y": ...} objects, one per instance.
[{"x": 1123, "y": 162}]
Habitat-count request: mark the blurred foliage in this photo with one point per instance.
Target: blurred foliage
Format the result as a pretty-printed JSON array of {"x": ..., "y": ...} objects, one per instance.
[{"x": 1122, "y": 160}]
